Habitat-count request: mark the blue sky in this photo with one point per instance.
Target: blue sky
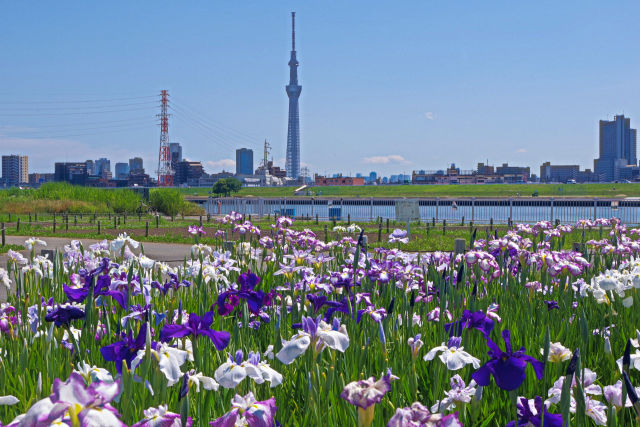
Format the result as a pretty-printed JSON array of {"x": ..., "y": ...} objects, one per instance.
[{"x": 386, "y": 86}]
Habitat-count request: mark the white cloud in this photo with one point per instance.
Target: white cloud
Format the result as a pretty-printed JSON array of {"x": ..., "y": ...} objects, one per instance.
[
  {"x": 429, "y": 115},
  {"x": 226, "y": 164},
  {"x": 384, "y": 160},
  {"x": 522, "y": 150}
]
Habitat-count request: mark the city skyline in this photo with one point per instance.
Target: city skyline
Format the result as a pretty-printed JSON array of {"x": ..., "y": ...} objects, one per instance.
[{"x": 386, "y": 89}]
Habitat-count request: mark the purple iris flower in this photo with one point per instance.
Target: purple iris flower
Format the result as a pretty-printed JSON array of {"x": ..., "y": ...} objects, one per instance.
[
  {"x": 197, "y": 326},
  {"x": 184, "y": 387},
  {"x": 173, "y": 283},
  {"x": 318, "y": 301},
  {"x": 527, "y": 417},
  {"x": 126, "y": 349},
  {"x": 476, "y": 320},
  {"x": 255, "y": 299},
  {"x": 551, "y": 305},
  {"x": 507, "y": 367},
  {"x": 63, "y": 315},
  {"x": 341, "y": 307},
  {"x": 102, "y": 288}
]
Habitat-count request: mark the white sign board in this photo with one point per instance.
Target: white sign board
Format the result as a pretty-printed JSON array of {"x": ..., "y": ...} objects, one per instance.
[{"x": 407, "y": 210}]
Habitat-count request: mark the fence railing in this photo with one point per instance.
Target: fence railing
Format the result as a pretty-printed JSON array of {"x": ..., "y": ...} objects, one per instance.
[
  {"x": 83, "y": 222},
  {"x": 478, "y": 210}
]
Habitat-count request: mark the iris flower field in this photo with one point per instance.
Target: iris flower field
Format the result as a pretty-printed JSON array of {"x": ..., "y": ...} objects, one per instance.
[{"x": 285, "y": 328}]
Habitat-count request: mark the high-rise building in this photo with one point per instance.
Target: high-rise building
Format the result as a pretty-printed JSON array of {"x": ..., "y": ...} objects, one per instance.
[
  {"x": 90, "y": 167},
  {"x": 15, "y": 169},
  {"x": 75, "y": 173},
  {"x": 102, "y": 166},
  {"x": 617, "y": 148},
  {"x": 176, "y": 154},
  {"x": 244, "y": 161},
  {"x": 187, "y": 171},
  {"x": 558, "y": 173},
  {"x": 135, "y": 165},
  {"x": 293, "y": 92},
  {"x": 40, "y": 178},
  {"x": 122, "y": 170}
]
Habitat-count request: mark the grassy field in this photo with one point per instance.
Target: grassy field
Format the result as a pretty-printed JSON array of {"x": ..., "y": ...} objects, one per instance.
[
  {"x": 489, "y": 190},
  {"x": 59, "y": 197},
  {"x": 424, "y": 237}
]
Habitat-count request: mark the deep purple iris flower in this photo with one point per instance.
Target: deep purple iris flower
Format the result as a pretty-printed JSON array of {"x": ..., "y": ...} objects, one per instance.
[
  {"x": 255, "y": 299},
  {"x": 318, "y": 301},
  {"x": 507, "y": 367},
  {"x": 341, "y": 307},
  {"x": 527, "y": 417},
  {"x": 173, "y": 283},
  {"x": 551, "y": 305},
  {"x": 63, "y": 315},
  {"x": 102, "y": 288},
  {"x": 197, "y": 326},
  {"x": 476, "y": 320},
  {"x": 126, "y": 349}
]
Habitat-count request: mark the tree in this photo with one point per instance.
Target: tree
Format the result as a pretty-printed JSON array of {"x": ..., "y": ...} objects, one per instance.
[
  {"x": 169, "y": 201},
  {"x": 226, "y": 186}
]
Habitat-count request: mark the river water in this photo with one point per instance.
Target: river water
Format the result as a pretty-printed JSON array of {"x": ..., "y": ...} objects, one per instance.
[{"x": 499, "y": 210}]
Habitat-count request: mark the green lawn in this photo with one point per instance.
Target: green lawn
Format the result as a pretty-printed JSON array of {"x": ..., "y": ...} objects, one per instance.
[{"x": 488, "y": 190}]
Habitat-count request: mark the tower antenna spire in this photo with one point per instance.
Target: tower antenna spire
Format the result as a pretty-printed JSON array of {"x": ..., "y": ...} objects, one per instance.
[{"x": 293, "y": 31}]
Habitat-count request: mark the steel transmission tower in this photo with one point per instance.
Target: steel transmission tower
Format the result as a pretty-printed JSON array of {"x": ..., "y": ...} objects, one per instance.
[
  {"x": 293, "y": 92},
  {"x": 165, "y": 173}
]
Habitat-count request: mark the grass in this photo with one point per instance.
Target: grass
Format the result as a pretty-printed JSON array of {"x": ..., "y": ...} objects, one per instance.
[
  {"x": 424, "y": 237},
  {"x": 489, "y": 190},
  {"x": 31, "y": 364},
  {"x": 62, "y": 197},
  {"x": 4, "y": 249}
]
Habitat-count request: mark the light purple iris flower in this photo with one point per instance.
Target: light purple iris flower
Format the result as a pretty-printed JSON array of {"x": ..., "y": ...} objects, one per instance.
[
  {"x": 161, "y": 417},
  {"x": 418, "y": 416},
  {"x": 366, "y": 393},
  {"x": 235, "y": 369},
  {"x": 196, "y": 230},
  {"x": 315, "y": 333},
  {"x": 246, "y": 410},
  {"x": 72, "y": 399},
  {"x": 398, "y": 236}
]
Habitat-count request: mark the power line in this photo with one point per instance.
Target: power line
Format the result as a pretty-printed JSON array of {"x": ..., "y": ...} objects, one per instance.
[
  {"x": 107, "y": 131},
  {"x": 217, "y": 124},
  {"x": 84, "y": 107},
  {"x": 72, "y": 113},
  {"x": 77, "y": 101},
  {"x": 218, "y": 132},
  {"x": 210, "y": 131},
  {"x": 75, "y": 128},
  {"x": 63, "y": 125},
  {"x": 203, "y": 130}
]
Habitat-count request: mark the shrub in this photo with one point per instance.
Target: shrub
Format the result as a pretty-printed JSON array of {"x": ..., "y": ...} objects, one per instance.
[{"x": 169, "y": 201}]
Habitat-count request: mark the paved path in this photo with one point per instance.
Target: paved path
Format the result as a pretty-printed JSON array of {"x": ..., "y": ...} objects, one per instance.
[
  {"x": 167, "y": 252},
  {"x": 172, "y": 253}
]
